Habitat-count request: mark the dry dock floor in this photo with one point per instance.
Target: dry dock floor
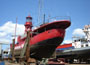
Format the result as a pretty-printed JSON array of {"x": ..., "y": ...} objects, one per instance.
[
  {"x": 77, "y": 64},
  {"x": 8, "y": 63}
]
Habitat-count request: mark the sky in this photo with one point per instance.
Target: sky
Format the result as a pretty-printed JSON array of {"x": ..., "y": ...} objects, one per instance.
[{"x": 78, "y": 10}]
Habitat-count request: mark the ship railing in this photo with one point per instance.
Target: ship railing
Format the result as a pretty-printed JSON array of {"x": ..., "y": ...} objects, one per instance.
[
  {"x": 52, "y": 19},
  {"x": 58, "y": 18}
]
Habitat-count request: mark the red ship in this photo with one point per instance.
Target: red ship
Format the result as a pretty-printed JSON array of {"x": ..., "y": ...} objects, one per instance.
[{"x": 44, "y": 39}]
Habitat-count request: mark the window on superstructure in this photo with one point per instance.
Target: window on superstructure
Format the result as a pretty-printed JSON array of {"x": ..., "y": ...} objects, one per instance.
[
  {"x": 86, "y": 45},
  {"x": 29, "y": 20},
  {"x": 75, "y": 40},
  {"x": 79, "y": 40},
  {"x": 5, "y": 52}
]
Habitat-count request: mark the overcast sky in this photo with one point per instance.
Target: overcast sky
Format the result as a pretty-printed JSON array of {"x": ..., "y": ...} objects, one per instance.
[{"x": 78, "y": 10}]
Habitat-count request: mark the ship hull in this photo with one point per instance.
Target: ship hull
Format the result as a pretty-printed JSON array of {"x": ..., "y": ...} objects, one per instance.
[
  {"x": 46, "y": 49},
  {"x": 43, "y": 45},
  {"x": 40, "y": 50},
  {"x": 75, "y": 53}
]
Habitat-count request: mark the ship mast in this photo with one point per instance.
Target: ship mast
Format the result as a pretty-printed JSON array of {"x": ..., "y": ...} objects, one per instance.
[
  {"x": 13, "y": 43},
  {"x": 15, "y": 28},
  {"x": 40, "y": 6}
]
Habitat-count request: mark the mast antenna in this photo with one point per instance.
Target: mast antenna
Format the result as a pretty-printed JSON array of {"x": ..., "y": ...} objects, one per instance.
[
  {"x": 40, "y": 3},
  {"x": 15, "y": 27}
]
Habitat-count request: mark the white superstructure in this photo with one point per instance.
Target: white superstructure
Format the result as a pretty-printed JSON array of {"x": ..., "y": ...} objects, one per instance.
[
  {"x": 83, "y": 42},
  {"x": 3, "y": 43}
]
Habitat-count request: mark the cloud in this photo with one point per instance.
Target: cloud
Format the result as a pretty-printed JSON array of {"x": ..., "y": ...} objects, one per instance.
[
  {"x": 2, "y": 34},
  {"x": 5, "y": 41},
  {"x": 79, "y": 32},
  {"x": 8, "y": 29}
]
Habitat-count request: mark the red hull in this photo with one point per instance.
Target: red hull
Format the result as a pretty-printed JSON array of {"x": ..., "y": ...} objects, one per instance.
[
  {"x": 47, "y": 35},
  {"x": 64, "y": 46}
]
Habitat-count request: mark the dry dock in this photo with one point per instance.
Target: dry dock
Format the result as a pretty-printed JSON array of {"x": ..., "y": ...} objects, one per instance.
[
  {"x": 8, "y": 63},
  {"x": 77, "y": 64}
]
